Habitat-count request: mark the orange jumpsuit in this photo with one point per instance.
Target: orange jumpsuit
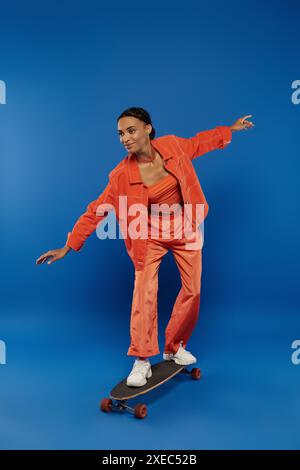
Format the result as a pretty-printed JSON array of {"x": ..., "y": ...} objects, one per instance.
[{"x": 143, "y": 322}]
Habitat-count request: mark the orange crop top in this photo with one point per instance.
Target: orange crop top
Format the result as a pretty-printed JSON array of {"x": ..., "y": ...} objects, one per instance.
[{"x": 165, "y": 191}]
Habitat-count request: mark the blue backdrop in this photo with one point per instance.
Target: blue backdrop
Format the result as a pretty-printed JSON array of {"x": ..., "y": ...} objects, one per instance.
[{"x": 70, "y": 69}]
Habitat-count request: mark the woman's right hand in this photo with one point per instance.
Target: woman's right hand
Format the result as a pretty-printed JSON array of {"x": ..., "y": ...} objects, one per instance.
[{"x": 55, "y": 255}]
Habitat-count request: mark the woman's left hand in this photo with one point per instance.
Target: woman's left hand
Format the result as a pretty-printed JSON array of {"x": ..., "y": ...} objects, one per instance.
[{"x": 242, "y": 124}]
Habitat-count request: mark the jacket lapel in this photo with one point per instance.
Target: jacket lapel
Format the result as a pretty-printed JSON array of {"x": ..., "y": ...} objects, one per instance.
[{"x": 133, "y": 168}]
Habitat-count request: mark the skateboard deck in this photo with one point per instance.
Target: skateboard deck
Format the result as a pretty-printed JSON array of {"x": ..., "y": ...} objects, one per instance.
[{"x": 161, "y": 373}]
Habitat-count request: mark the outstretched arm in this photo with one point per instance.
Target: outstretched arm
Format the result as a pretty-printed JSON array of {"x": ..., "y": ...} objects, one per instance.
[
  {"x": 217, "y": 138},
  {"x": 96, "y": 211}
]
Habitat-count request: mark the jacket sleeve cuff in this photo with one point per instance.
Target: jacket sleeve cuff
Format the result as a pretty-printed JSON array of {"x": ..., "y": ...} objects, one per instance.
[
  {"x": 73, "y": 242},
  {"x": 226, "y": 134}
]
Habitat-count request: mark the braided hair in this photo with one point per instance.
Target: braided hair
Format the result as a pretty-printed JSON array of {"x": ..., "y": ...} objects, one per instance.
[{"x": 141, "y": 114}]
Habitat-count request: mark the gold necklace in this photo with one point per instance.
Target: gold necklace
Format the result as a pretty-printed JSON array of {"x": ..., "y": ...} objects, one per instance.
[{"x": 150, "y": 161}]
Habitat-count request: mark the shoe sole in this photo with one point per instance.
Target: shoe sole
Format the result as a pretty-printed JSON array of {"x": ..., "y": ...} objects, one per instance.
[
  {"x": 180, "y": 363},
  {"x": 184, "y": 363}
]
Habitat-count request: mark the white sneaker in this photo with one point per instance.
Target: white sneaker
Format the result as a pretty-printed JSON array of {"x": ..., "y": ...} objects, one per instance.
[
  {"x": 141, "y": 371},
  {"x": 182, "y": 357}
]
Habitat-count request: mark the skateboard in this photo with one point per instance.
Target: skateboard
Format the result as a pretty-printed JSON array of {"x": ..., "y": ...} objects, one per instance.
[{"x": 161, "y": 373}]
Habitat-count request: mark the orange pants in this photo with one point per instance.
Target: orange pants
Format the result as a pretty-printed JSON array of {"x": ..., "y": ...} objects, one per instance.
[{"x": 143, "y": 322}]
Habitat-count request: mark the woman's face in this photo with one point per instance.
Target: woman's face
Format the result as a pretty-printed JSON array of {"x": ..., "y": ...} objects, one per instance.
[{"x": 133, "y": 133}]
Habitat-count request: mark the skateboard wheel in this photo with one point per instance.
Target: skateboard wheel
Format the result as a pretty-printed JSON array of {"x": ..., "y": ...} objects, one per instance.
[
  {"x": 196, "y": 373},
  {"x": 106, "y": 404},
  {"x": 140, "y": 411}
]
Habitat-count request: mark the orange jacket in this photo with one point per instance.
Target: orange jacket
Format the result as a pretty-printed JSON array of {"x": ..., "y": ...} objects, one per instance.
[{"x": 125, "y": 179}]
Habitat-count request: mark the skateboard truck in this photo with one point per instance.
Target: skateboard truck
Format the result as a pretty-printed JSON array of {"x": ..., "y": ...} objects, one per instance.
[{"x": 109, "y": 404}]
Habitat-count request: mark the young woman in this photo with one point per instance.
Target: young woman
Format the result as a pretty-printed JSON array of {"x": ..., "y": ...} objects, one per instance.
[{"x": 155, "y": 173}]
